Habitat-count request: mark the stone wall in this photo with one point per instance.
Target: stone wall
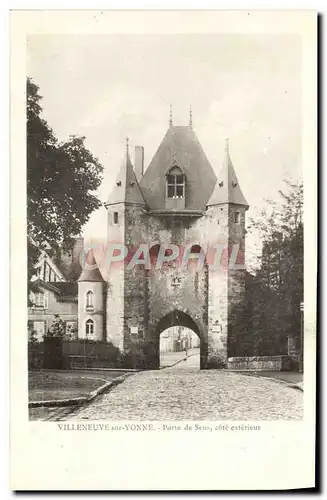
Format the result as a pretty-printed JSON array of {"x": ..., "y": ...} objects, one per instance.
[
  {"x": 138, "y": 299},
  {"x": 260, "y": 363}
]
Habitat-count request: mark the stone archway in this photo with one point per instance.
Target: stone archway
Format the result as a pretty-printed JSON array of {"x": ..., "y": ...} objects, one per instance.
[{"x": 180, "y": 318}]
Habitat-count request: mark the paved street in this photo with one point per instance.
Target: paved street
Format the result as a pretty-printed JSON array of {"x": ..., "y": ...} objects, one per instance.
[
  {"x": 188, "y": 394},
  {"x": 170, "y": 358},
  {"x": 191, "y": 363}
]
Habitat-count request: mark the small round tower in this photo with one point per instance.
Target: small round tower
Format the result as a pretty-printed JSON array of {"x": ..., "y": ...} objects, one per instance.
[{"x": 90, "y": 301}]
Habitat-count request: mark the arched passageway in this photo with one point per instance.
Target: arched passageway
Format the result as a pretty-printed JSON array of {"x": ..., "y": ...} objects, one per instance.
[
  {"x": 177, "y": 333},
  {"x": 180, "y": 347}
]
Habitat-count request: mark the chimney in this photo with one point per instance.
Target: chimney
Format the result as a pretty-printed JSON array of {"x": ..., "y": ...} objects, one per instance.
[{"x": 139, "y": 162}]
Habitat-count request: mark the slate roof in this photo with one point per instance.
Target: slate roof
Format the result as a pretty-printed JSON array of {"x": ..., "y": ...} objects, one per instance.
[
  {"x": 64, "y": 289},
  {"x": 227, "y": 188},
  {"x": 68, "y": 289},
  {"x": 181, "y": 147},
  {"x": 126, "y": 189},
  {"x": 91, "y": 274}
]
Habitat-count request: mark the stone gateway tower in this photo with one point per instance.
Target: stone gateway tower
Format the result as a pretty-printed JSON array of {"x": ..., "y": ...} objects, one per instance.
[{"x": 184, "y": 230}]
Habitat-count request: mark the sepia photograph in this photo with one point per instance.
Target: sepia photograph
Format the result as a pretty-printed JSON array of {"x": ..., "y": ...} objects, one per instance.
[{"x": 164, "y": 226}]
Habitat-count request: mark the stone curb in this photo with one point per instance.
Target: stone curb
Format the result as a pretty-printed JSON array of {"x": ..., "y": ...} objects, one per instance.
[
  {"x": 291, "y": 385},
  {"x": 80, "y": 368},
  {"x": 124, "y": 370},
  {"x": 80, "y": 400}
]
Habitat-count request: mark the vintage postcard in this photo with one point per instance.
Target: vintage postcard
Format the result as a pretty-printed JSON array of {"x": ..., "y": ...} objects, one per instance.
[{"x": 163, "y": 250}]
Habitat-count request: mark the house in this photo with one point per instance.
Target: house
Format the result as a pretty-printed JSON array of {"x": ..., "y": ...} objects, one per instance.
[{"x": 54, "y": 290}]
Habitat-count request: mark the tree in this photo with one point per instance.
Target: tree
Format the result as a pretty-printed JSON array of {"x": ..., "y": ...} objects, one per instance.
[
  {"x": 278, "y": 284},
  {"x": 58, "y": 328},
  {"x": 61, "y": 180}
]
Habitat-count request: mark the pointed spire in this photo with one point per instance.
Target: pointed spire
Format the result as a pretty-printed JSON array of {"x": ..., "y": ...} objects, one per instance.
[
  {"x": 126, "y": 188},
  {"x": 227, "y": 189},
  {"x": 90, "y": 270},
  {"x": 191, "y": 120},
  {"x": 170, "y": 116}
]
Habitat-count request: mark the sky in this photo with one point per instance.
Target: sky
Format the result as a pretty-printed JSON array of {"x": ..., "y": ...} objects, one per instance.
[{"x": 242, "y": 87}]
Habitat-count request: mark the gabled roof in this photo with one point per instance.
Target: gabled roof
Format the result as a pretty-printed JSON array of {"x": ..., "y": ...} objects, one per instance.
[
  {"x": 68, "y": 289},
  {"x": 227, "y": 188},
  {"x": 91, "y": 270},
  {"x": 180, "y": 146},
  {"x": 126, "y": 189}
]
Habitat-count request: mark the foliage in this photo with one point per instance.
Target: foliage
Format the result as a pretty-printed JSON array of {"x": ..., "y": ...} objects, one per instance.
[
  {"x": 61, "y": 180},
  {"x": 35, "y": 348},
  {"x": 32, "y": 338},
  {"x": 216, "y": 362},
  {"x": 276, "y": 291},
  {"x": 71, "y": 332},
  {"x": 58, "y": 328},
  {"x": 142, "y": 356}
]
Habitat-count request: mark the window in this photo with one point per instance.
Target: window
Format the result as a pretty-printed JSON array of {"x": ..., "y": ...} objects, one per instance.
[
  {"x": 89, "y": 300},
  {"x": 175, "y": 183},
  {"x": 115, "y": 217},
  {"x": 89, "y": 328},
  {"x": 237, "y": 217},
  {"x": 39, "y": 329},
  {"x": 41, "y": 300}
]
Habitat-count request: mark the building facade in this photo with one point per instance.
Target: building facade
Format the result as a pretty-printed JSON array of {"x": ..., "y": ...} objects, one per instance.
[
  {"x": 177, "y": 202},
  {"x": 176, "y": 211},
  {"x": 54, "y": 291}
]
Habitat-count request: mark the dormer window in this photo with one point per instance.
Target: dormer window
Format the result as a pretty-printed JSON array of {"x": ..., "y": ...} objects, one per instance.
[
  {"x": 175, "y": 183},
  {"x": 175, "y": 188}
]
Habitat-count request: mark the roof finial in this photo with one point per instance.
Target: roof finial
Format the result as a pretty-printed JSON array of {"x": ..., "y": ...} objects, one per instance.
[
  {"x": 227, "y": 144},
  {"x": 170, "y": 116},
  {"x": 191, "y": 121},
  {"x": 127, "y": 145}
]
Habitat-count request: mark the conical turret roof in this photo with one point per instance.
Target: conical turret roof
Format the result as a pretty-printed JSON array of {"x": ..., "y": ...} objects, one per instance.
[
  {"x": 90, "y": 272},
  {"x": 126, "y": 188},
  {"x": 227, "y": 188}
]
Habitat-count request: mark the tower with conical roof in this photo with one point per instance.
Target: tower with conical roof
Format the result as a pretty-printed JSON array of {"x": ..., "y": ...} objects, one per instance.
[
  {"x": 225, "y": 217},
  {"x": 177, "y": 207},
  {"x": 91, "y": 308},
  {"x": 126, "y": 207}
]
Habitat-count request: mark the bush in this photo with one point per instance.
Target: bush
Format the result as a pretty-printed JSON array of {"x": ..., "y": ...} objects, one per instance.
[
  {"x": 35, "y": 355},
  {"x": 35, "y": 349},
  {"x": 215, "y": 361},
  {"x": 58, "y": 328},
  {"x": 142, "y": 356}
]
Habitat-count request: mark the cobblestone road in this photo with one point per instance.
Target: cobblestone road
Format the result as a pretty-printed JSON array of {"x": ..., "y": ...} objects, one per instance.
[{"x": 172, "y": 394}]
